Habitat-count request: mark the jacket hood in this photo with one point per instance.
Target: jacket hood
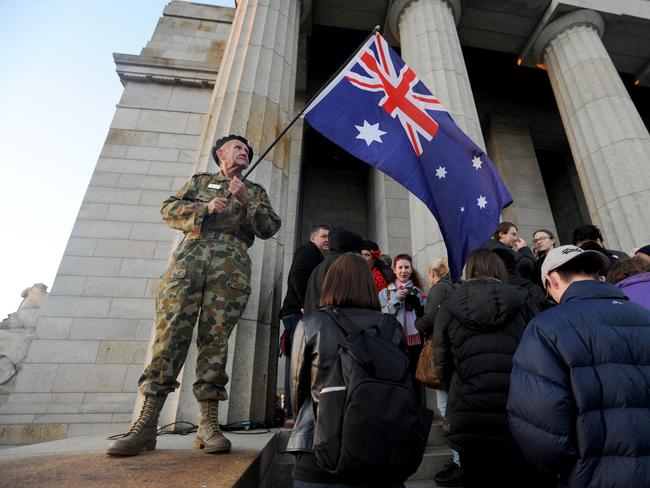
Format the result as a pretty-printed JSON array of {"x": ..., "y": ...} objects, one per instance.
[
  {"x": 634, "y": 280},
  {"x": 485, "y": 305},
  {"x": 343, "y": 240}
]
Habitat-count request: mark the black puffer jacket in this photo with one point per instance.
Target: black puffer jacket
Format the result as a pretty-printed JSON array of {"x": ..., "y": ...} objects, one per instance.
[{"x": 475, "y": 336}]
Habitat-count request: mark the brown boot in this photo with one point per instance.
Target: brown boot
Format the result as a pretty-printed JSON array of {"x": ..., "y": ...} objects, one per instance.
[
  {"x": 142, "y": 434},
  {"x": 209, "y": 436}
]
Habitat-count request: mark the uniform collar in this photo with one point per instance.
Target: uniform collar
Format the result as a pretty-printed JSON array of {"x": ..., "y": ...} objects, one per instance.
[{"x": 221, "y": 176}]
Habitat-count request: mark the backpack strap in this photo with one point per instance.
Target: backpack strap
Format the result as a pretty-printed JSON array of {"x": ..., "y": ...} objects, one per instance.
[
  {"x": 341, "y": 320},
  {"x": 348, "y": 327}
]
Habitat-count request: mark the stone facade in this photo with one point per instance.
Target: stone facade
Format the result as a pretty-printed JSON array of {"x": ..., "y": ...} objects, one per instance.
[
  {"x": 81, "y": 372},
  {"x": 566, "y": 129}
]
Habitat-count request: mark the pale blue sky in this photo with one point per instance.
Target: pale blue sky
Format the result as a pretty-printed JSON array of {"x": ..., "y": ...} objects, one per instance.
[{"x": 58, "y": 91}]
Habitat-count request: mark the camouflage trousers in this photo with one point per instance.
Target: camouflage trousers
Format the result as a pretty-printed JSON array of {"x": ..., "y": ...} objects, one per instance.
[{"x": 208, "y": 281}]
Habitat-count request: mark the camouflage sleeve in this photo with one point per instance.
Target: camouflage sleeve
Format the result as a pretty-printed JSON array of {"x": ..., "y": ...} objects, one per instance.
[
  {"x": 261, "y": 216},
  {"x": 183, "y": 211}
]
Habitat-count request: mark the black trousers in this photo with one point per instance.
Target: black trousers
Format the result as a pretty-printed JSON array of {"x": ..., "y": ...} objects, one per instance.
[
  {"x": 505, "y": 470},
  {"x": 414, "y": 355}
]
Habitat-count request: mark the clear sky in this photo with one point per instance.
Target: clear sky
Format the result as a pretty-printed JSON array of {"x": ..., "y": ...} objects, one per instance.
[{"x": 58, "y": 91}]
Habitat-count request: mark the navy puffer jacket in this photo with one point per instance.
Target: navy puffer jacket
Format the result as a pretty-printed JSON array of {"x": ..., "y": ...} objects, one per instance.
[{"x": 579, "y": 402}]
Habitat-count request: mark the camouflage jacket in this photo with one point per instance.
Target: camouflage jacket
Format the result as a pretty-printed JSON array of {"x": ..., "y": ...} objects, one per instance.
[{"x": 187, "y": 210}]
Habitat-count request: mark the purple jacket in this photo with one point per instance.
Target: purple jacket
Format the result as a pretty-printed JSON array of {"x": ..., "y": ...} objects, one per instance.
[{"x": 637, "y": 288}]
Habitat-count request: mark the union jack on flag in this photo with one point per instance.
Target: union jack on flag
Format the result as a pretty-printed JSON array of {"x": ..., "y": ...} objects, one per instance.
[
  {"x": 378, "y": 110},
  {"x": 400, "y": 98}
]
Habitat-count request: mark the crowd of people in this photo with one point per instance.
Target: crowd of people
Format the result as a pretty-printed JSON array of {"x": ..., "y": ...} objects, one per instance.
[{"x": 543, "y": 353}]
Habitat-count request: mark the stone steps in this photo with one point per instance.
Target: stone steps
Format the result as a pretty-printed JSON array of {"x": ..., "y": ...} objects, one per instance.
[
  {"x": 436, "y": 455},
  {"x": 434, "y": 459}
]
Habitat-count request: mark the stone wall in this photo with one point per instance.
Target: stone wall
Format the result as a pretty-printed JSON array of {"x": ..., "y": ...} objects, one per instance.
[
  {"x": 333, "y": 188},
  {"x": 81, "y": 372}
]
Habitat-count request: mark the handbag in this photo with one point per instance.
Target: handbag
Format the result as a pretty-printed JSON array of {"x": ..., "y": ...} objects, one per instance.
[{"x": 425, "y": 372}]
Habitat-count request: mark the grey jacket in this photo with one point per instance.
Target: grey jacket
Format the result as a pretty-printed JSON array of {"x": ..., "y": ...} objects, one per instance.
[{"x": 438, "y": 293}]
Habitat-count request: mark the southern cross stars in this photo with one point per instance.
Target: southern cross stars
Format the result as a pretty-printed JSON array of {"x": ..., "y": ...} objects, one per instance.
[
  {"x": 441, "y": 172},
  {"x": 481, "y": 201},
  {"x": 476, "y": 162},
  {"x": 369, "y": 133}
]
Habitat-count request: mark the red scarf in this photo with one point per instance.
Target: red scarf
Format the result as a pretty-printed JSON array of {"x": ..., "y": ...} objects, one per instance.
[{"x": 380, "y": 280}]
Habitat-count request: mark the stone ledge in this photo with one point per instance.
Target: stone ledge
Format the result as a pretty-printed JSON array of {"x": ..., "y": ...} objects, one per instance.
[
  {"x": 80, "y": 462},
  {"x": 149, "y": 69},
  {"x": 199, "y": 11}
]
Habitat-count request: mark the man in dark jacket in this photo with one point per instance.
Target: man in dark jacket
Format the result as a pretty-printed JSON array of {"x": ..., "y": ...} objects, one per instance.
[
  {"x": 340, "y": 241},
  {"x": 305, "y": 259},
  {"x": 589, "y": 238},
  {"x": 579, "y": 401},
  {"x": 506, "y": 236}
]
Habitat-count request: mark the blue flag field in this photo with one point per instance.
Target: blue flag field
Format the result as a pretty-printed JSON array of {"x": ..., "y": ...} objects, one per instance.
[{"x": 378, "y": 110}]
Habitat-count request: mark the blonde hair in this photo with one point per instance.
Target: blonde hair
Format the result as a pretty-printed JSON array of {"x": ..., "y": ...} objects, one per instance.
[{"x": 438, "y": 267}]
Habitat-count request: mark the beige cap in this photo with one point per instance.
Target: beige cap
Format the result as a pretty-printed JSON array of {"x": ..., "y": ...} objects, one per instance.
[{"x": 559, "y": 256}]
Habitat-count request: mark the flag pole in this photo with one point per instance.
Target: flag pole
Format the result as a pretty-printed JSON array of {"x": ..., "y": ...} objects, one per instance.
[{"x": 293, "y": 121}]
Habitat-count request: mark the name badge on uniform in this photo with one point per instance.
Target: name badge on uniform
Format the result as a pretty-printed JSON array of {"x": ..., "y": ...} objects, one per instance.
[{"x": 214, "y": 186}]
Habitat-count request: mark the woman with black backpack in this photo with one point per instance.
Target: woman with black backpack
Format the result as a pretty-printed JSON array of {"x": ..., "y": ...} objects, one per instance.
[{"x": 350, "y": 320}]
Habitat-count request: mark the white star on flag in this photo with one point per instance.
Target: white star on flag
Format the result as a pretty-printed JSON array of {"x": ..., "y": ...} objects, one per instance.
[
  {"x": 462, "y": 209},
  {"x": 369, "y": 133},
  {"x": 481, "y": 202},
  {"x": 441, "y": 172},
  {"x": 477, "y": 163}
]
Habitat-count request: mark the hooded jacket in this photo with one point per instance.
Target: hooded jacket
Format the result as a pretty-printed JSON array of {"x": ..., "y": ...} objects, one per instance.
[
  {"x": 579, "y": 402},
  {"x": 637, "y": 288},
  {"x": 474, "y": 338},
  {"x": 341, "y": 241}
]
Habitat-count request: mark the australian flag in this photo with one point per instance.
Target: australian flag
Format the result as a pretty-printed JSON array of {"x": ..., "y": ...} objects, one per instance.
[{"x": 378, "y": 110}]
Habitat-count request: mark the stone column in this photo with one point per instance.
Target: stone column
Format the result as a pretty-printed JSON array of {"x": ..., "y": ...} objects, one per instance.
[
  {"x": 511, "y": 146},
  {"x": 609, "y": 142},
  {"x": 253, "y": 96},
  {"x": 430, "y": 45},
  {"x": 388, "y": 219}
]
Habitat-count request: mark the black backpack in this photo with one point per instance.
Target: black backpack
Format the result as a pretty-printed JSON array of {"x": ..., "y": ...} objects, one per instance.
[{"x": 369, "y": 426}]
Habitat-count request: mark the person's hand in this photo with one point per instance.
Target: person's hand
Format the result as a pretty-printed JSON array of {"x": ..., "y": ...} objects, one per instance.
[
  {"x": 238, "y": 190},
  {"x": 401, "y": 293},
  {"x": 217, "y": 205},
  {"x": 519, "y": 243}
]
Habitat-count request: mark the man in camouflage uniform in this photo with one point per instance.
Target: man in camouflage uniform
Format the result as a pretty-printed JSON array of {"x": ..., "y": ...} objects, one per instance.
[{"x": 208, "y": 279}]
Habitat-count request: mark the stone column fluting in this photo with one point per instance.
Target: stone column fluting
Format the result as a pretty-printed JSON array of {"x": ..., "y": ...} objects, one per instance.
[
  {"x": 431, "y": 46},
  {"x": 253, "y": 96},
  {"x": 511, "y": 147},
  {"x": 609, "y": 141}
]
